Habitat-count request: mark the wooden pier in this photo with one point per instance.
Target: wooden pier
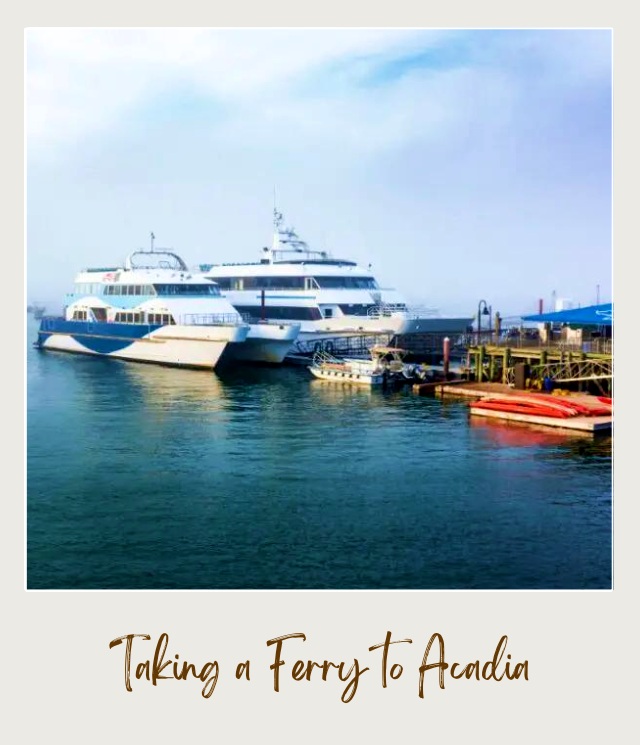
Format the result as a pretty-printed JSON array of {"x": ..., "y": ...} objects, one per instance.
[{"x": 564, "y": 366}]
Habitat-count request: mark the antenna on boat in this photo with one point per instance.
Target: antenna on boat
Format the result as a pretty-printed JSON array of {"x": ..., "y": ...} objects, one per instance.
[
  {"x": 152, "y": 240},
  {"x": 277, "y": 222},
  {"x": 277, "y": 216}
]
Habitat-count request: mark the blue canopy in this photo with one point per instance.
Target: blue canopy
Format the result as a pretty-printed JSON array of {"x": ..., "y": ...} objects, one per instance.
[{"x": 592, "y": 315}]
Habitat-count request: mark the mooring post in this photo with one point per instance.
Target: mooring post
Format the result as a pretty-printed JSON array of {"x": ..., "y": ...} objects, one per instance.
[
  {"x": 506, "y": 355},
  {"x": 446, "y": 350}
]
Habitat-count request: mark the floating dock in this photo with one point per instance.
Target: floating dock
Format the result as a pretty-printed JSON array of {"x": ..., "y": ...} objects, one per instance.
[
  {"x": 461, "y": 388},
  {"x": 479, "y": 391},
  {"x": 582, "y": 423}
]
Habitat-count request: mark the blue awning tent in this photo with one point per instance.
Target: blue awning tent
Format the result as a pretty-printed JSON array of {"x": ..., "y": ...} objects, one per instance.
[{"x": 592, "y": 315}]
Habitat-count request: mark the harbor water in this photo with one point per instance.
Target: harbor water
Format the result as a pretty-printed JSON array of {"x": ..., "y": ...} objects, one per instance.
[{"x": 145, "y": 477}]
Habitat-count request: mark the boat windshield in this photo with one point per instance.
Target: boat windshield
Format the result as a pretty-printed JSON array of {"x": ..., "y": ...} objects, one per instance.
[
  {"x": 156, "y": 259},
  {"x": 394, "y": 353}
]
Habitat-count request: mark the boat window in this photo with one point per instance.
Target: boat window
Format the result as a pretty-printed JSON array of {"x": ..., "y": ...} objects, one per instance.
[
  {"x": 264, "y": 283},
  {"x": 352, "y": 283},
  {"x": 161, "y": 319},
  {"x": 281, "y": 312},
  {"x": 185, "y": 288},
  {"x": 100, "y": 314},
  {"x": 357, "y": 310},
  {"x": 328, "y": 312},
  {"x": 224, "y": 283}
]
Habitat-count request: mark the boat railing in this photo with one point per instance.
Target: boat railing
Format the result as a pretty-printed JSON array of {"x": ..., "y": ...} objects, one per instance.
[
  {"x": 386, "y": 310},
  {"x": 47, "y": 323},
  {"x": 210, "y": 319},
  {"x": 531, "y": 339},
  {"x": 324, "y": 358},
  {"x": 188, "y": 319},
  {"x": 358, "y": 366},
  {"x": 421, "y": 311},
  {"x": 254, "y": 320}
]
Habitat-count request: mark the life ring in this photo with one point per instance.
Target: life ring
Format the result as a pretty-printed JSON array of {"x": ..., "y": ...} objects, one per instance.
[{"x": 328, "y": 347}]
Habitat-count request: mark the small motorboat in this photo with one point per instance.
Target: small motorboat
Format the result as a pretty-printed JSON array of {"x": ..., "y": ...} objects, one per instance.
[
  {"x": 385, "y": 366},
  {"x": 360, "y": 372}
]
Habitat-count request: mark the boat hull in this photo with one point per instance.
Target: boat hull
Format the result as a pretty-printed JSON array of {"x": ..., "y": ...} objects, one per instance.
[
  {"x": 347, "y": 376},
  {"x": 179, "y": 346},
  {"x": 265, "y": 343}
]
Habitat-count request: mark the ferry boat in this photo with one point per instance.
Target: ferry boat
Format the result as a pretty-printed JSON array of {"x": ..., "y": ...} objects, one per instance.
[
  {"x": 154, "y": 309},
  {"x": 331, "y": 298}
]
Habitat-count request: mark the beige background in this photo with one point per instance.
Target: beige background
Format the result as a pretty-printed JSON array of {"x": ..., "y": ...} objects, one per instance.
[{"x": 61, "y": 682}]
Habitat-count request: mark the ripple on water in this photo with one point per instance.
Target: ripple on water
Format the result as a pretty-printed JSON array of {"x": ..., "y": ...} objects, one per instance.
[{"x": 146, "y": 477}]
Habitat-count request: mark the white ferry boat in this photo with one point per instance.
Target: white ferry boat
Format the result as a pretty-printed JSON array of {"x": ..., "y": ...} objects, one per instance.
[
  {"x": 331, "y": 298},
  {"x": 153, "y": 309}
]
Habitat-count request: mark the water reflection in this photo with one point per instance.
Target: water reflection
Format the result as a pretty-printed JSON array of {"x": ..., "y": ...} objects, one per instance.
[
  {"x": 166, "y": 388},
  {"x": 335, "y": 393},
  {"x": 521, "y": 434},
  {"x": 554, "y": 444}
]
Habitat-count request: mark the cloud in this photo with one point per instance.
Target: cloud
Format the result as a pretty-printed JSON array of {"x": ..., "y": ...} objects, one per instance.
[
  {"x": 397, "y": 147},
  {"x": 84, "y": 81}
]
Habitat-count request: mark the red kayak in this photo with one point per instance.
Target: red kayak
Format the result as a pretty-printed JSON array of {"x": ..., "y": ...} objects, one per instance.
[
  {"x": 516, "y": 407},
  {"x": 540, "y": 404}
]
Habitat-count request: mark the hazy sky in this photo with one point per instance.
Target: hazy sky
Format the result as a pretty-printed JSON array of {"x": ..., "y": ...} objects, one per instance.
[{"x": 463, "y": 165}]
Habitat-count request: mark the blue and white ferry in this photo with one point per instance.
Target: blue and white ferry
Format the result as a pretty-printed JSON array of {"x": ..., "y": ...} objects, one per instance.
[{"x": 153, "y": 309}]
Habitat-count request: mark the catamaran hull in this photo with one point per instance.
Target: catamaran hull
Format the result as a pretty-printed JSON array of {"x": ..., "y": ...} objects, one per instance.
[
  {"x": 265, "y": 343},
  {"x": 178, "y": 346},
  {"x": 257, "y": 350}
]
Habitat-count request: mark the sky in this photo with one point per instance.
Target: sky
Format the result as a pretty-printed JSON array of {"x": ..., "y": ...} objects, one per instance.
[{"x": 463, "y": 165}]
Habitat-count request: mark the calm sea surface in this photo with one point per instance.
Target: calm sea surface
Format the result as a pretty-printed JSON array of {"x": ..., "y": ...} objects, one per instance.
[{"x": 148, "y": 477}]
